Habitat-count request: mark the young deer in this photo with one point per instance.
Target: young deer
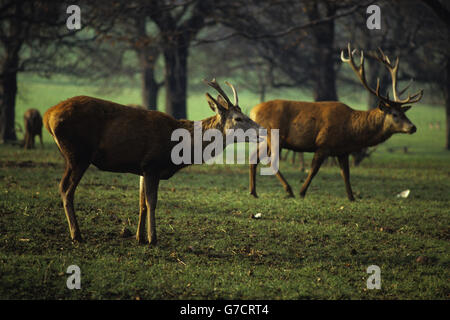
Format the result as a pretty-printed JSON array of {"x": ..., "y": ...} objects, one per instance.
[
  {"x": 332, "y": 128},
  {"x": 33, "y": 127},
  {"x": 117, "y": 138}
]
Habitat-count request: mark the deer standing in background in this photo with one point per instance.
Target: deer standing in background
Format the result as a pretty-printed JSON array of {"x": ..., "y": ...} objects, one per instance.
[
  {"x": 118, "y": 138},
  {"x": 33, "y": 127},
  {"x": 332, "y": 128}
]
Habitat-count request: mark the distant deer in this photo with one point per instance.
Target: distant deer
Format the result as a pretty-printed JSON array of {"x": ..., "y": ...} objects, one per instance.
[
  {"x": 332, "y": 128},
  {"x": 33, "y": 127},
  {"x": 118, "y": 138}
]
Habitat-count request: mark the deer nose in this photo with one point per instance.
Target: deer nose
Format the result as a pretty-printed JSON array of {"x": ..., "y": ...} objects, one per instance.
[{"x": 413, "y": 129}]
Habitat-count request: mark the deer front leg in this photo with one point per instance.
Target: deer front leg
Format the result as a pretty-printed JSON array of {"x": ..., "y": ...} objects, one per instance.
[
  {"x": 151, "y": 181},
  {"x": 252, "y": 177},
  {"x": 140, "y": 233},
  {"x": 345, "y": 172}
]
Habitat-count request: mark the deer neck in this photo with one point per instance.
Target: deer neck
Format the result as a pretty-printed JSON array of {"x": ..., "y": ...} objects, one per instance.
[
  {"x": 368, "y": 127},
  {"x": 198, "y": 128}
]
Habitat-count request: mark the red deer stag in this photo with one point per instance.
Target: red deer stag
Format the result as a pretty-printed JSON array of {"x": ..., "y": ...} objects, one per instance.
[
  {"x": 332, "y": 128},
  {"x": 33, "y": 127},
  {"x": 118, "y": 138}
]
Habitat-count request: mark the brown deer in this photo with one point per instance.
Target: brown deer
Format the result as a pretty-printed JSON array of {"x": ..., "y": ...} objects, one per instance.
[
  {"x": 33, "y": 127},
  {"x": 332, "y": 128},
  {"x": 118, "y": 138}
]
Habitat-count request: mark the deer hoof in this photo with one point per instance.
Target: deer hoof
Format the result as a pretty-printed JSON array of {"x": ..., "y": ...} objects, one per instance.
[
  {"x": 290, "y": 194},
  {"x": 254, "y": 194},
  {"x": 141, "y": 240},
  {"x": 152, "y": 241},
  {"x": 77, "y": 238}
]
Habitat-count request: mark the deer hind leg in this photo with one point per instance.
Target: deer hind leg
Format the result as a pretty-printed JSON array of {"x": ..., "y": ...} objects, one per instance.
[
  {"x": 151, "y": 197},
  {"x": 140, "y": 233},
  {"x": 345, "y": 172},
  {"x": 302, "y": 162},
  {"x": 285, "y": 184},
  {"x": 315, "y": 166},
  {"x": 69, "y": 182}
]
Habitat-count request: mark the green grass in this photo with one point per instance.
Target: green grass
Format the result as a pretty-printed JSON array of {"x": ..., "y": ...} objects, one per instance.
[{"x": 210, "y": 247}]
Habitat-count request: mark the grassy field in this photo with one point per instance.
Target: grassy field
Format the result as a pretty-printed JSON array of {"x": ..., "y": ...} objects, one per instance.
[{"x": 209, "y": 246}]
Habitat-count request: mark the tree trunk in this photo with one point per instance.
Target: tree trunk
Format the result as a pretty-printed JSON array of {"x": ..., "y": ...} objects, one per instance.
[
  {"x": 149, "y": 86},
  {"x": 324, "y": 72},
  {"x": 175, "y": 58},
  {"x": 8, "y": 91},
  {"x": 447, "y": 104}
]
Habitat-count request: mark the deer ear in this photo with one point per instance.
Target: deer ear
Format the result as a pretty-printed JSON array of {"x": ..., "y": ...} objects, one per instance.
[
  {"x": 406, "y": 108},
  {"x": 214, "y": 105}
]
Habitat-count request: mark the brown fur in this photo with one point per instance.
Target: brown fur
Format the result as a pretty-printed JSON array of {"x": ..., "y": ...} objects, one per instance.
[
  {"x": 33, "y": 127},
  {"x": 328, "y": 129},
  {"x": 118, "y": 138}
]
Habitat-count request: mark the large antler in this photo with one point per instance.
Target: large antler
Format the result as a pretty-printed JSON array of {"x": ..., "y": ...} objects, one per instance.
[
  {"x": 213, "y": 83},
  {"x": 393, "y": 69},
  {"x": 361, "y": 72}
]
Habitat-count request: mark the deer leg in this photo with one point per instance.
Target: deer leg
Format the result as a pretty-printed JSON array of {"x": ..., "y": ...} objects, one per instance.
[
  {"x": 315, "y": 166},
  {"x": 302, "y": 162},
  {"x": 40, "y": 137},
  {"x": 253, "y": 173},
  {"x": 151, "y": 197},
  {"x": 345, "y": 172},
  {"x": 285, "y": 184},
  {"x": 69, "y": 182},
  {"x": 293, "y": 157},
  {"x": 26, "y": 140},
  {"x": 140, "y": 233}
]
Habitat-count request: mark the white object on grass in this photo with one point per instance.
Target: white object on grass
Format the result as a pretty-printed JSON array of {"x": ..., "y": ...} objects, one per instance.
[{"x": 404, "y": 194}]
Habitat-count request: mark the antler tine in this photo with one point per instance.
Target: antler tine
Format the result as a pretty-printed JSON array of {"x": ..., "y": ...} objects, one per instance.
[
  {"x": 412, "y": 99},
  {"x": 393, "y": 70},
  {"x": 236, "y": 101},
  {"x": 216, "y": 86},
  {"x": 406, "y": 88},
  {"x": 360, "y": 71}
]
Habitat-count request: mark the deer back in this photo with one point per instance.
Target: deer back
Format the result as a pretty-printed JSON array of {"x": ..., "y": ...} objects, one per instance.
[
  {"x": 304, "y": 126},
  {"x": 112, "y": 136}
]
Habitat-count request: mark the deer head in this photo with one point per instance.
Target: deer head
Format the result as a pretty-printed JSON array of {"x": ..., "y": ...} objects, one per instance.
[
  {"x": 229, "y": 114},
  {"x": 395, "y": 120}
]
